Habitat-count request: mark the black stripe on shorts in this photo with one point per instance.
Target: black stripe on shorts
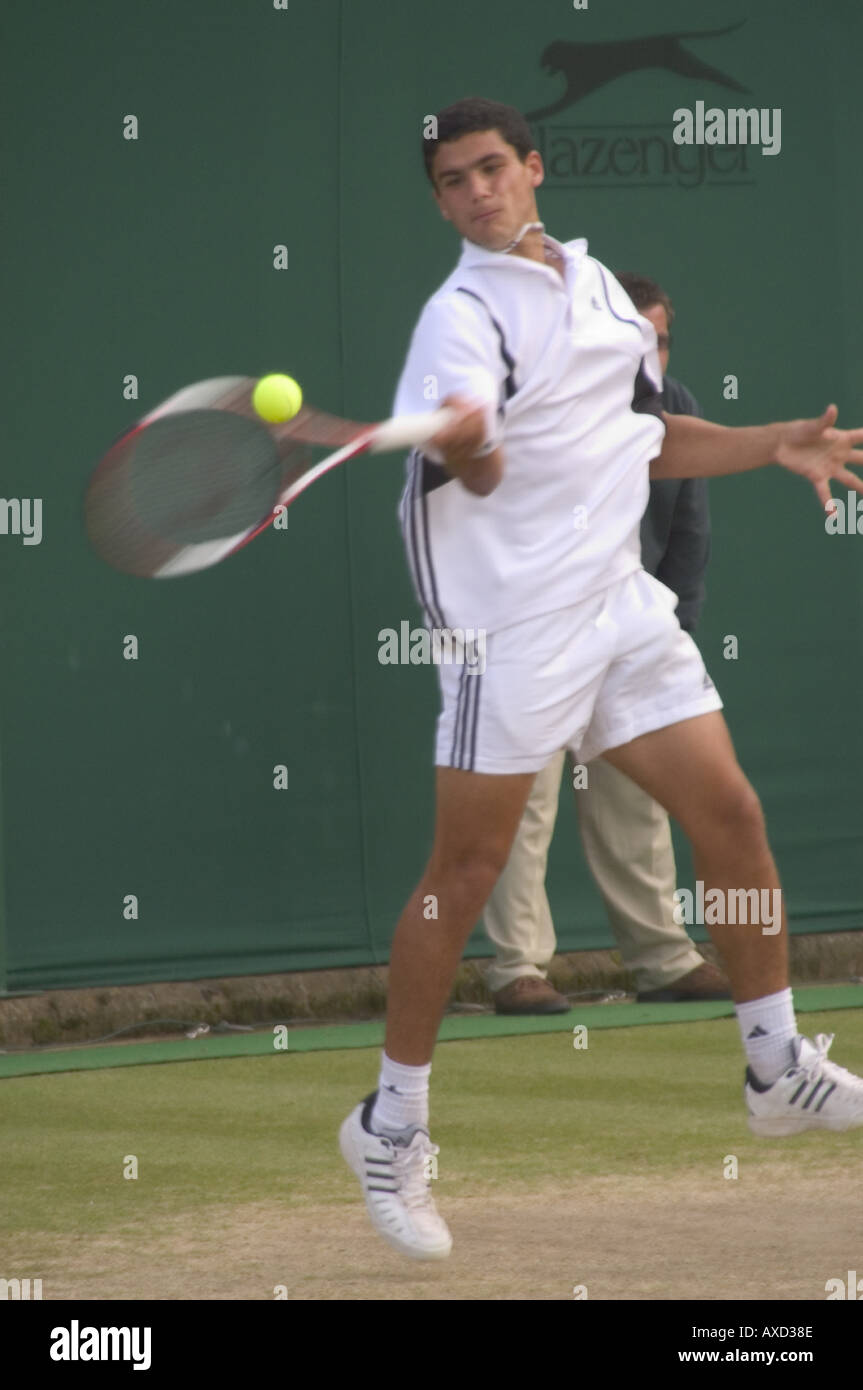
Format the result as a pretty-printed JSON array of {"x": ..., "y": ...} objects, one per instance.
[{"x": 463, "y": 751}]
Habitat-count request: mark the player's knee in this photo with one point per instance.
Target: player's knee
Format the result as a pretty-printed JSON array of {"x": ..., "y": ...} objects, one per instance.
[
  {"x": 738, "y": 813},
  {"x": 467, "y": 882}
]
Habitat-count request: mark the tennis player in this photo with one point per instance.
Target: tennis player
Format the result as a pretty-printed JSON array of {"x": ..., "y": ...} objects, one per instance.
[{"x": 521, "y": 520}]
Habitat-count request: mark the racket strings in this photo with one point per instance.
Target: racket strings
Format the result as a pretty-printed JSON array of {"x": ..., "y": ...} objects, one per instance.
[
  {"x": 183, "y": 480},
  {"x": 312, "y": 426},
  {"x": 202, "y": 474},
  {"x": 199, "y": 474},
  {"x": 308, "y": 426}
]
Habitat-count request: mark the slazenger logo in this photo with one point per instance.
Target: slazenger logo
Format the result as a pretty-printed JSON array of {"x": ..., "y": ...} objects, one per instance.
[{"x": 634, "y": 153}]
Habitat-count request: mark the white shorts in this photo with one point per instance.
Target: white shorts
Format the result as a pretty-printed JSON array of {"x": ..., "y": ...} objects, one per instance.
[{"x": 585, "y": 678}]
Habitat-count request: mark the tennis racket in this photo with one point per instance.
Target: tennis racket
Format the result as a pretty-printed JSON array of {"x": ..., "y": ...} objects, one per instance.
[{"x": 202, "y": 475}]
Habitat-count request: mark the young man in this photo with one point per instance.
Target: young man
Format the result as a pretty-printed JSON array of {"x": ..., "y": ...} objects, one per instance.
[
  {"x": 625, "y": 834},
  {"x": 555, "y": 380}
]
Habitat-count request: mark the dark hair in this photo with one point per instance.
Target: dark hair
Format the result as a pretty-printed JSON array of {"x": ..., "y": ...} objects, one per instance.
[
  {"x": 645, "y": 292},
  {"x": 474, "y": 114}
]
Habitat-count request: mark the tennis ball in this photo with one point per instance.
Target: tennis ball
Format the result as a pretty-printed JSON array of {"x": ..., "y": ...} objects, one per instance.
[{"x": 277, "y": 398}]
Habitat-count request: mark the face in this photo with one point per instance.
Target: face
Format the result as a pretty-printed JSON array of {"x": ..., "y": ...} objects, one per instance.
[
  {"x": 484, "y": 189},
  {"x": 659, "y": 318}
]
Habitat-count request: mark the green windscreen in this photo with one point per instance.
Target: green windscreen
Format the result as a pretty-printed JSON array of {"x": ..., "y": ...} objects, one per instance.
[{"x": 216, "y": 775}]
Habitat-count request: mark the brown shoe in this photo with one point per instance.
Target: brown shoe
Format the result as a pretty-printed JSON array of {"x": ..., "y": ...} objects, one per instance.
[
  {"x": 530, "y": 994},
  {"x": 704, "y": 982}
]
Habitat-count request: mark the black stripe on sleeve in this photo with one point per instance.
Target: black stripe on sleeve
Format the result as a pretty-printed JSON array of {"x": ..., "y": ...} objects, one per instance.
[
  {"x": 509, "y": 386},
  {"x": 633, "y": 322},
  {"x": 646, "y": 400},
  {"x": 434, "y": 475}
]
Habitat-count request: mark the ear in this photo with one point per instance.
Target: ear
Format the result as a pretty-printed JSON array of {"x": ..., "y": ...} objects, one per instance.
[{"x": 534, "y": 164}]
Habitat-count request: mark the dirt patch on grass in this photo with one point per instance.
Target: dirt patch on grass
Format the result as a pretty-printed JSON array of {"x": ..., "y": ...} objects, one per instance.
[{"x": 779, "y": 1231}]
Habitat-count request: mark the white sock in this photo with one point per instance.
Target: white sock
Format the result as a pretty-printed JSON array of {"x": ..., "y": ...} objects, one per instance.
[
  {"x": 403, "y": 1096},
  {"x": 768, "y": 1028}
]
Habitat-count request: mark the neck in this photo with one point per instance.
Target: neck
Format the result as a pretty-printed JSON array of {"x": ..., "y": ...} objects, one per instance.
[{"x": 531, "y": 245}]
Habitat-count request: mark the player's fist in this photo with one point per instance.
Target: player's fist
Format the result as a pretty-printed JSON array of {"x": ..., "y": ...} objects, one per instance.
[
  {"x": 464, "y": 436},
  {"x": 464, "y": 447}
]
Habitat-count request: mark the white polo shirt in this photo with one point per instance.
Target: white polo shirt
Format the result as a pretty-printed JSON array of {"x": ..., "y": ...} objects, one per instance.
[{"x": 559, "y": 365}]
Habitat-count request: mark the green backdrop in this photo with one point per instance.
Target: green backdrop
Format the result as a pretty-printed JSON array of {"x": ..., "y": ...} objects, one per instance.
[{"x": 299, "y": 126}]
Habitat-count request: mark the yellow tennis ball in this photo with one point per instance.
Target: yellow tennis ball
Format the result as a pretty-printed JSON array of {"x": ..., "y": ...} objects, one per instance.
[{"x": 277, "y": 398}]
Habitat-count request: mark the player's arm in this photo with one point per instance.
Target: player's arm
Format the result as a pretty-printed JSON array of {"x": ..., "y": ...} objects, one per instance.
[
  {"x": 461, "y": 448},
  {"x": 695, "y": 448},
  {"x": 455, "y": 360}
]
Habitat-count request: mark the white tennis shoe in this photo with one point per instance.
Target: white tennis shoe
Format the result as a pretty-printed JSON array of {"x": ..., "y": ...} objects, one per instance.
[
  {"x": 394, "y": 1177},
  {"x": 812, "y": 1094}
]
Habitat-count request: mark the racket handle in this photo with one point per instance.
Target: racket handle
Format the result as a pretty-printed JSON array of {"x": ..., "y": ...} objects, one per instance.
[{"x": 404, "y": 431}]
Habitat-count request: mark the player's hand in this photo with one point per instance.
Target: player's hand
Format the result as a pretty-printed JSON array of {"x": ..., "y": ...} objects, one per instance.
[
  {"x": 460, "y": 444},
  {"x": 461, "y": 440},
  {"x": 817, "y": 451}
]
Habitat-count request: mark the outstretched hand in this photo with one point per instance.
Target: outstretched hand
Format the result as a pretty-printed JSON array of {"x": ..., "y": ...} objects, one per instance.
[{"x": 817, "y": 451}]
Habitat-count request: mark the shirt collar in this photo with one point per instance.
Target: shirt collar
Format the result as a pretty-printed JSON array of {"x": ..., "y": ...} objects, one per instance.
[{"x": 572, "y": 253}]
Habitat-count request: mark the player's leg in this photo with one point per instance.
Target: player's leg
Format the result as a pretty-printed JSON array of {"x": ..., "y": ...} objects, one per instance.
[
  {"x": 385, "y": 1139},
  {"x": 628, "y": 847},
  {"x": 517, "y": 917},
  {"x": 504, "y": 723},
  {"x": 477, "y": 816},
  {"x": 497, "y": 727},
  {"x": 691, "y": 769},
  {"x": 657, "y": 720}
]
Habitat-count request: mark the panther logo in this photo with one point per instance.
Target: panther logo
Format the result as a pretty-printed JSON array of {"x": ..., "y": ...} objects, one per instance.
[{"x": 588, "y": 66}]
